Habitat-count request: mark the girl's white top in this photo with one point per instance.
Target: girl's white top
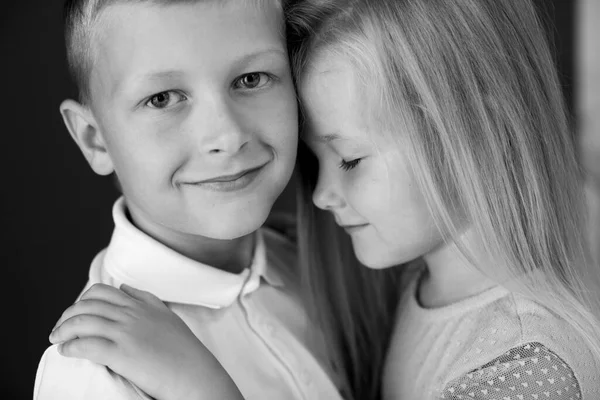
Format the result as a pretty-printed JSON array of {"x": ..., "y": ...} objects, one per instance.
[{"x": 495, "y": 345}]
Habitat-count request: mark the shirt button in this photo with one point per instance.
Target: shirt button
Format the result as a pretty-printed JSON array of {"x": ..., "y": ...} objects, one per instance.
[
  {"x": 305, "y": 378},
  {"x": 269, "y": 328}
]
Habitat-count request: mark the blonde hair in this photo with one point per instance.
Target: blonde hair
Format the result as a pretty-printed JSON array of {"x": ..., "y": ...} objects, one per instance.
[
  {"x": 81, "y": 24},
  {"x": 353, "y": 305},
  {"x": 472, "y": 86}
]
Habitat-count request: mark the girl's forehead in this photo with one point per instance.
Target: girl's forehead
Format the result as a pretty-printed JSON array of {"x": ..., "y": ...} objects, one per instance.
[
  {"x": 326, "y": 60},
  {"x": 329, "y": 84},
  {"x": 342, "y": 104}
]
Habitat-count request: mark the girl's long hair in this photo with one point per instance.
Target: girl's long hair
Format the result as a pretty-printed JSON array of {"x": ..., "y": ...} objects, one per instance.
[
  {"x": 471, "y": 87},
  {"x": 353, "y": 305}
]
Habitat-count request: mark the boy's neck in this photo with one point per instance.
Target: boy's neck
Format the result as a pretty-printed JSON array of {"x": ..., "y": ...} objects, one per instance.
[
  {"x": 450, "y": 276},
  {"x": 227, "y": 255}
]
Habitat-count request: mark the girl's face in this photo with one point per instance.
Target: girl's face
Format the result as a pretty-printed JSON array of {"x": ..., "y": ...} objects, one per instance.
[{"x": 364, "y": 177}]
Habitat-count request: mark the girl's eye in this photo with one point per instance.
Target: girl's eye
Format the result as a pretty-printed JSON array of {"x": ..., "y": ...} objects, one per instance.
[
  {"x": 252, "y": 80},
  {"x": 348, "y": 165},
  {"x": 165, "y": 99}
]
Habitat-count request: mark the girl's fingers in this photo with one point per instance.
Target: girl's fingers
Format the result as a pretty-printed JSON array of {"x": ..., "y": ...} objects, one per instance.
[
  {"x": 83, "y": 325},
  {"x": 93, "y": 348},
  {"x": 99, "y": 308},
  {"x": 101, "y": 291},
  {"x": 141, "y": 295}
]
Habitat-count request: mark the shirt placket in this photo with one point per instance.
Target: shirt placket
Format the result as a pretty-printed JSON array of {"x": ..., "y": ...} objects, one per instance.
[{"x": 279, "y": 346}]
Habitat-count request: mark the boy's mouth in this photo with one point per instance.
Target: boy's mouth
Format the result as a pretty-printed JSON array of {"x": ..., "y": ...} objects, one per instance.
[
  {"x": 230, "y": 183},
  {"x": 231, "y": 178}
]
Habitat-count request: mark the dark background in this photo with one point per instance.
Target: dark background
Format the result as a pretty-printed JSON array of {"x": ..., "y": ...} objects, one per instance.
[{"x": 56, "y": 211}]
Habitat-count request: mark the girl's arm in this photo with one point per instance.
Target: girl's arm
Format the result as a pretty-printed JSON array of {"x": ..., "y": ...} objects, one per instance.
[{"x": 137, "y": 336}]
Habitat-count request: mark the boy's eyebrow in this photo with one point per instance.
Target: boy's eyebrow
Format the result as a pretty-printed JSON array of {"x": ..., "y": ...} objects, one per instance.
[
  {"x": 247, "y": 58},
  {"x": 158, "y": 75},
  {"x": 242, "y": 60},
  {"x": 147, "y": 76}
]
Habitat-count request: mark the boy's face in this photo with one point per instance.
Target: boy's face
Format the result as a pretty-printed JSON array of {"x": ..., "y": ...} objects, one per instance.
[{"x": 197, "y": 109}]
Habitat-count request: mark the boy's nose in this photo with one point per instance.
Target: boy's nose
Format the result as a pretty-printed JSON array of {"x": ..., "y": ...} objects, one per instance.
[{"x": 221, "y": 132}]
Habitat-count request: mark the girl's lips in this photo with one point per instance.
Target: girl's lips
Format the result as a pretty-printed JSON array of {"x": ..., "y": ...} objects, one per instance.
[{"x": 353, "y": 228}]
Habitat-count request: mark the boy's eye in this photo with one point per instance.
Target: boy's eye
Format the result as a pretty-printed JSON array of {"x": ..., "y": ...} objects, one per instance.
[
  {"x": 348, "y": 165},
  {"x": 164, "y": 99},
  {"x": 252, "y": 80}
]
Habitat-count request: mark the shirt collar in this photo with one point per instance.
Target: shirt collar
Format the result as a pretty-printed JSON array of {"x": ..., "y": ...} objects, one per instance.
[{"x": 138, "y": 260}]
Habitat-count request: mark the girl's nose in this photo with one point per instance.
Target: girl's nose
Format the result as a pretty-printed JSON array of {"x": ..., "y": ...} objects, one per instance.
[{"x": 325, "y": 195}]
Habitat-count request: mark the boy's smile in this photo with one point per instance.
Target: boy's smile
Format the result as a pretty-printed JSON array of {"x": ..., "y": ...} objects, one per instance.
[
  {"x": 229, "y": 183},
  {"x": 196, "y": 106}
]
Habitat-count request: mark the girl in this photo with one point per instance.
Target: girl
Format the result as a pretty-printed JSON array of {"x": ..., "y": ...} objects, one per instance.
[
  {"x": 443, "y": 149},
  {"x": 441, "y": 136}
]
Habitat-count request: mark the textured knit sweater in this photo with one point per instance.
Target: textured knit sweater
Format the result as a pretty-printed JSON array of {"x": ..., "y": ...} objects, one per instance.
[{"x": 494, "y": 345}]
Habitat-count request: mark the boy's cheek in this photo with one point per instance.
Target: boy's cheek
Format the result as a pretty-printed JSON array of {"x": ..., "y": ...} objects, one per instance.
[
  {"x": 283, "y": 94},
  {"x": 284, "y": 109}
]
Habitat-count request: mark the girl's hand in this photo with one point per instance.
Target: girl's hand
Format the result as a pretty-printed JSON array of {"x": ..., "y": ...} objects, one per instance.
[{"x": 137, "y": 336}]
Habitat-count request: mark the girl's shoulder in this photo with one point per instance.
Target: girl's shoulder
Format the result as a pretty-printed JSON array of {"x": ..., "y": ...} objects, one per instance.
[
  {"x": 518, "y": 347},
  {"x": 530, "y": 371}
]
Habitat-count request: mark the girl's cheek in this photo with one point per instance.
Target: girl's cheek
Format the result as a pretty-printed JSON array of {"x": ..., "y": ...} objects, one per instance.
[{"x": 356, "y": 191}]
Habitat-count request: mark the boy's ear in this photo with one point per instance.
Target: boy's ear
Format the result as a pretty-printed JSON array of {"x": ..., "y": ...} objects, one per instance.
[{"x": 85, "y": 132}]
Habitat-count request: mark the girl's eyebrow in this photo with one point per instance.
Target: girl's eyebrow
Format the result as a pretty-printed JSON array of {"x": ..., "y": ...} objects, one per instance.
[{"x": 326, "y": 138}]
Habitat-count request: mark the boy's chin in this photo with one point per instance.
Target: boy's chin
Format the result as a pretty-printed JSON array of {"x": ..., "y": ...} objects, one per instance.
[{"x": 235, "y": 226}]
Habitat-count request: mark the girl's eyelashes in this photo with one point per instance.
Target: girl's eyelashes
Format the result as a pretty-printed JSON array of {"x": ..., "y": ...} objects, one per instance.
[
  {"x": 348, "y": 165},
  {"x": 253, "y": 80},
  {"x": 165, "y": 99}
]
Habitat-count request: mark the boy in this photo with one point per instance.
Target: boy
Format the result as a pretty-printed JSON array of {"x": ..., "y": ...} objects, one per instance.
[{"x": 192, "y": 105}]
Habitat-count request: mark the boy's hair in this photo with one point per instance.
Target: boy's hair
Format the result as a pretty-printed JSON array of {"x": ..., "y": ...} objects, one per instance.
[
  {"x": 81, "y": 33},
  {"x": 470, "y": 86}
]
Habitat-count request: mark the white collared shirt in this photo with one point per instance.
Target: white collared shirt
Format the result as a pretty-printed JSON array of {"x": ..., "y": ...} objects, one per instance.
[{"x": 252, "y": 322}]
